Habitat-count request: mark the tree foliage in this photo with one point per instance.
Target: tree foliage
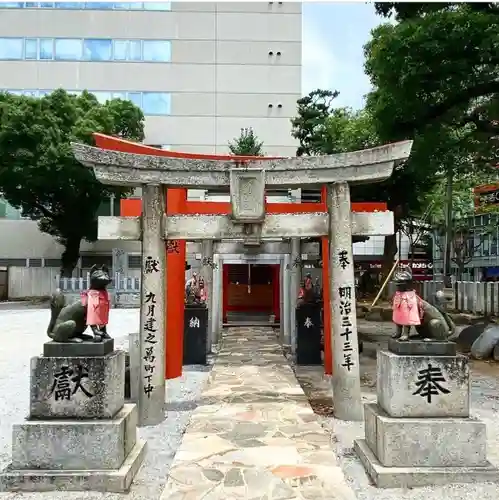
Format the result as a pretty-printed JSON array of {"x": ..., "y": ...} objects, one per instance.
[
  {"x": 309, "y": 124},
  {"x": 466, "y": 238},
  {"x": 38, "y": 172},
  {"x": 437, "y": 68},
  {"x": 247, "y": 144},
  {"x": 323, "y": 129},
  {"x": 435, "y": 77}
]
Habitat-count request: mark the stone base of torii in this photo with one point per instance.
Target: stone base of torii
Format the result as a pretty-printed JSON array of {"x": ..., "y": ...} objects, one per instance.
[{"x": 248, "y": 222}]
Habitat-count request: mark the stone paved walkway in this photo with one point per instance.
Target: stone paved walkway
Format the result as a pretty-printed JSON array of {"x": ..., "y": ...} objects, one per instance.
[{"x": 253, "y": 435}]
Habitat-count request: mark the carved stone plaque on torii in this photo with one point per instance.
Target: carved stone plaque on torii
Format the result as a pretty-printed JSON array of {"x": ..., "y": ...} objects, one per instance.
[{"x": 248, "y": 222}]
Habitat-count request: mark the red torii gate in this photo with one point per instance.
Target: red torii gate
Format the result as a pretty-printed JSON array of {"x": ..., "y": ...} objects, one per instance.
[{"x": 177, "y": 203}]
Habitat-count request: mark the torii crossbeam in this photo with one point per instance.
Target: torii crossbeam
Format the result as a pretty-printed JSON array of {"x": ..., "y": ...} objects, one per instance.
[{"x": 248, "y": 222}]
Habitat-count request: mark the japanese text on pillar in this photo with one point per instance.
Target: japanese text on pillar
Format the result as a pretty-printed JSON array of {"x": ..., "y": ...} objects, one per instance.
[
  {"x": 150, "y": 329},
  {"x": 172, "y": 246},
  {"x": 346, "y": 295}
]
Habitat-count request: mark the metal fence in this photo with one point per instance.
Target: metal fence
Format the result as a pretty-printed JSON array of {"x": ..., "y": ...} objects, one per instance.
[
  {"x": 474, "y": 297},
  {"x": 124, "y": 291},
  {"x": 477, "y": 297},
  {"x": 425, "y": 289}
]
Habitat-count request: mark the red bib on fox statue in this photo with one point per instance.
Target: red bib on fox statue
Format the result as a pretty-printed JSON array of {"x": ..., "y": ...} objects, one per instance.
[
  {"x": 407, "y": 306},
  {"x": 98, "y": 305}
]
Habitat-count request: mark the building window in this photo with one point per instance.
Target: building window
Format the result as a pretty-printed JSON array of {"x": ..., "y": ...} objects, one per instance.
[
  {"x": 156, "y": 51},
  {"x": 157, "y": 6},
  {"x": 134, "y": 261},
  {"x": 99, "y": 5},
  {"x": 164, "y": 6},
  {"x": 151, "y": 103},
  {"x": 97, "y": 50},
  {"x": 46, "y": 49},
  {"x": 136, "y": 98},
  {"x": 89, "y": 49},
  {"x": 493, "y": 245},
  {"x": 67, "y": 5},
  {"x": 156, "y": 103},
  {"x": 31, "y": 48},
  {"x": 68, "y": 49},
  {"x": 11, "y": 48},
  {"x": 52, "y": 263},
  {"x": 127, "y": 50},
  {"x": 102, "y": 97},
  {"x": 13, "y": 262}
]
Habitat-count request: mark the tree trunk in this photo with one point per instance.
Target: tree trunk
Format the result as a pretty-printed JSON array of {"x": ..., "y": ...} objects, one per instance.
[
  {"x": 389, "y": 252},
  {"x": 448, "y": 230},
  {"x": 461, "y": 266},
  {"x": 70, "y": 256}
]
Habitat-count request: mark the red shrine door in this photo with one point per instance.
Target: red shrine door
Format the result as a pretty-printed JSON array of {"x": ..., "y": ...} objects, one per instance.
[{"x": 251, "y": 289}]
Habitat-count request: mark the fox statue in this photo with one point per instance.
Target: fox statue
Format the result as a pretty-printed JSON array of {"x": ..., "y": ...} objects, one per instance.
[{"x": 69, "y": 322}]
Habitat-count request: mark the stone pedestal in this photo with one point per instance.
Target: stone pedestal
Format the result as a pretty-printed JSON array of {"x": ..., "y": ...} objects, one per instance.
[
  {"x": 420, "y": 432},
  {"x": 308, "y": 328},
  {"x": 195, "y": 334},
  {"x": 79, "y": 436}
]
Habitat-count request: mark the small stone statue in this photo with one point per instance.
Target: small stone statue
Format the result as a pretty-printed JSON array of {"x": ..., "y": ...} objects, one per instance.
[
  {"x": 318, "y": 289},
  {"x": 410, "y": 310},
  {"x": 308, "y": 292},
  {"x": 69, "y": 322},
  {"x": 201, "y": 295},
  {"x": 195, "y": 292}
]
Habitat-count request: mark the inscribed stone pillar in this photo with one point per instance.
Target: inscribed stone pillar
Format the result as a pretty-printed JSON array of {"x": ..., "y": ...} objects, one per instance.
[
  {"x": 151, "y": 400},
  {"x": 286, "y": 303},
  {"x": 346, "y": 370},
  {"x": 216, "y": 303},
  {"x": 281, "y": 301},
  {"x": 120, "y": 262},
  {"x": 294, "y": 287},
  {"x": 207, "y": 274}
]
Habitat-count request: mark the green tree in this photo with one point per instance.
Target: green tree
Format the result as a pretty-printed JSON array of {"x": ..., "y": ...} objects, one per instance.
[
  {"x": 309, "y": 123},
  {"x": 466, "y": 238},
  {"x": 323, "y": 129},
  {"x": 38, "y": 172},
  {"x": 435, "y": 79},
  {"x": 438, "y": 67},
  {"x": 247, "y": 144}
]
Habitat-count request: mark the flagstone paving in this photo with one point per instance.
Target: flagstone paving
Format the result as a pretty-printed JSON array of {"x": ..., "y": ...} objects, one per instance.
[{"x": 253, "y": 435}]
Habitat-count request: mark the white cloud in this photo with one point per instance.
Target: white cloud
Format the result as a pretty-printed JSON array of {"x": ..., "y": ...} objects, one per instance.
[{"x": 318, "y": 62}]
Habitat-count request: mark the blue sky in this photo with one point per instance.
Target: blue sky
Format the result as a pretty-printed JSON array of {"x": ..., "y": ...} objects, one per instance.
[{"x": 333, "y": 38}]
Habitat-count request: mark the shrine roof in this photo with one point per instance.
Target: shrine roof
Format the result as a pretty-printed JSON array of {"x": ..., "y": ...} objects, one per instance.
[{"x": 155, "y": 166}]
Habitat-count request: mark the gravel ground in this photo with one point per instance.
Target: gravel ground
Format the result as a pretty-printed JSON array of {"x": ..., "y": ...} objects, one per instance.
[
  {"x": 23, "y": 332},
  {"x": 485, "y": 406}
]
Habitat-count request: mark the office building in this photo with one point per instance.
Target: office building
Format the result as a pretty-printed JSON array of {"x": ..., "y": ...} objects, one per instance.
[{"x": 200, "y": 71}]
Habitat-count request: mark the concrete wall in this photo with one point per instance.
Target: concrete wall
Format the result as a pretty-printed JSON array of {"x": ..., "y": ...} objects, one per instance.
[
  {"x": 24, "y": 282},
  {"x": 21, "y": 239},
  {"x": 25, "y": 241}
]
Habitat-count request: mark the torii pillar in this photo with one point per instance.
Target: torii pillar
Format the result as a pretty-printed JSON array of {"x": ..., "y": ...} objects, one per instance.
[{"x": 175, "y": 291}]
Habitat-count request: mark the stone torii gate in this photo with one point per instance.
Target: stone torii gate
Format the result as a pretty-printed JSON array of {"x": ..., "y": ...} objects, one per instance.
[{"x": 248, "y": 222}]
